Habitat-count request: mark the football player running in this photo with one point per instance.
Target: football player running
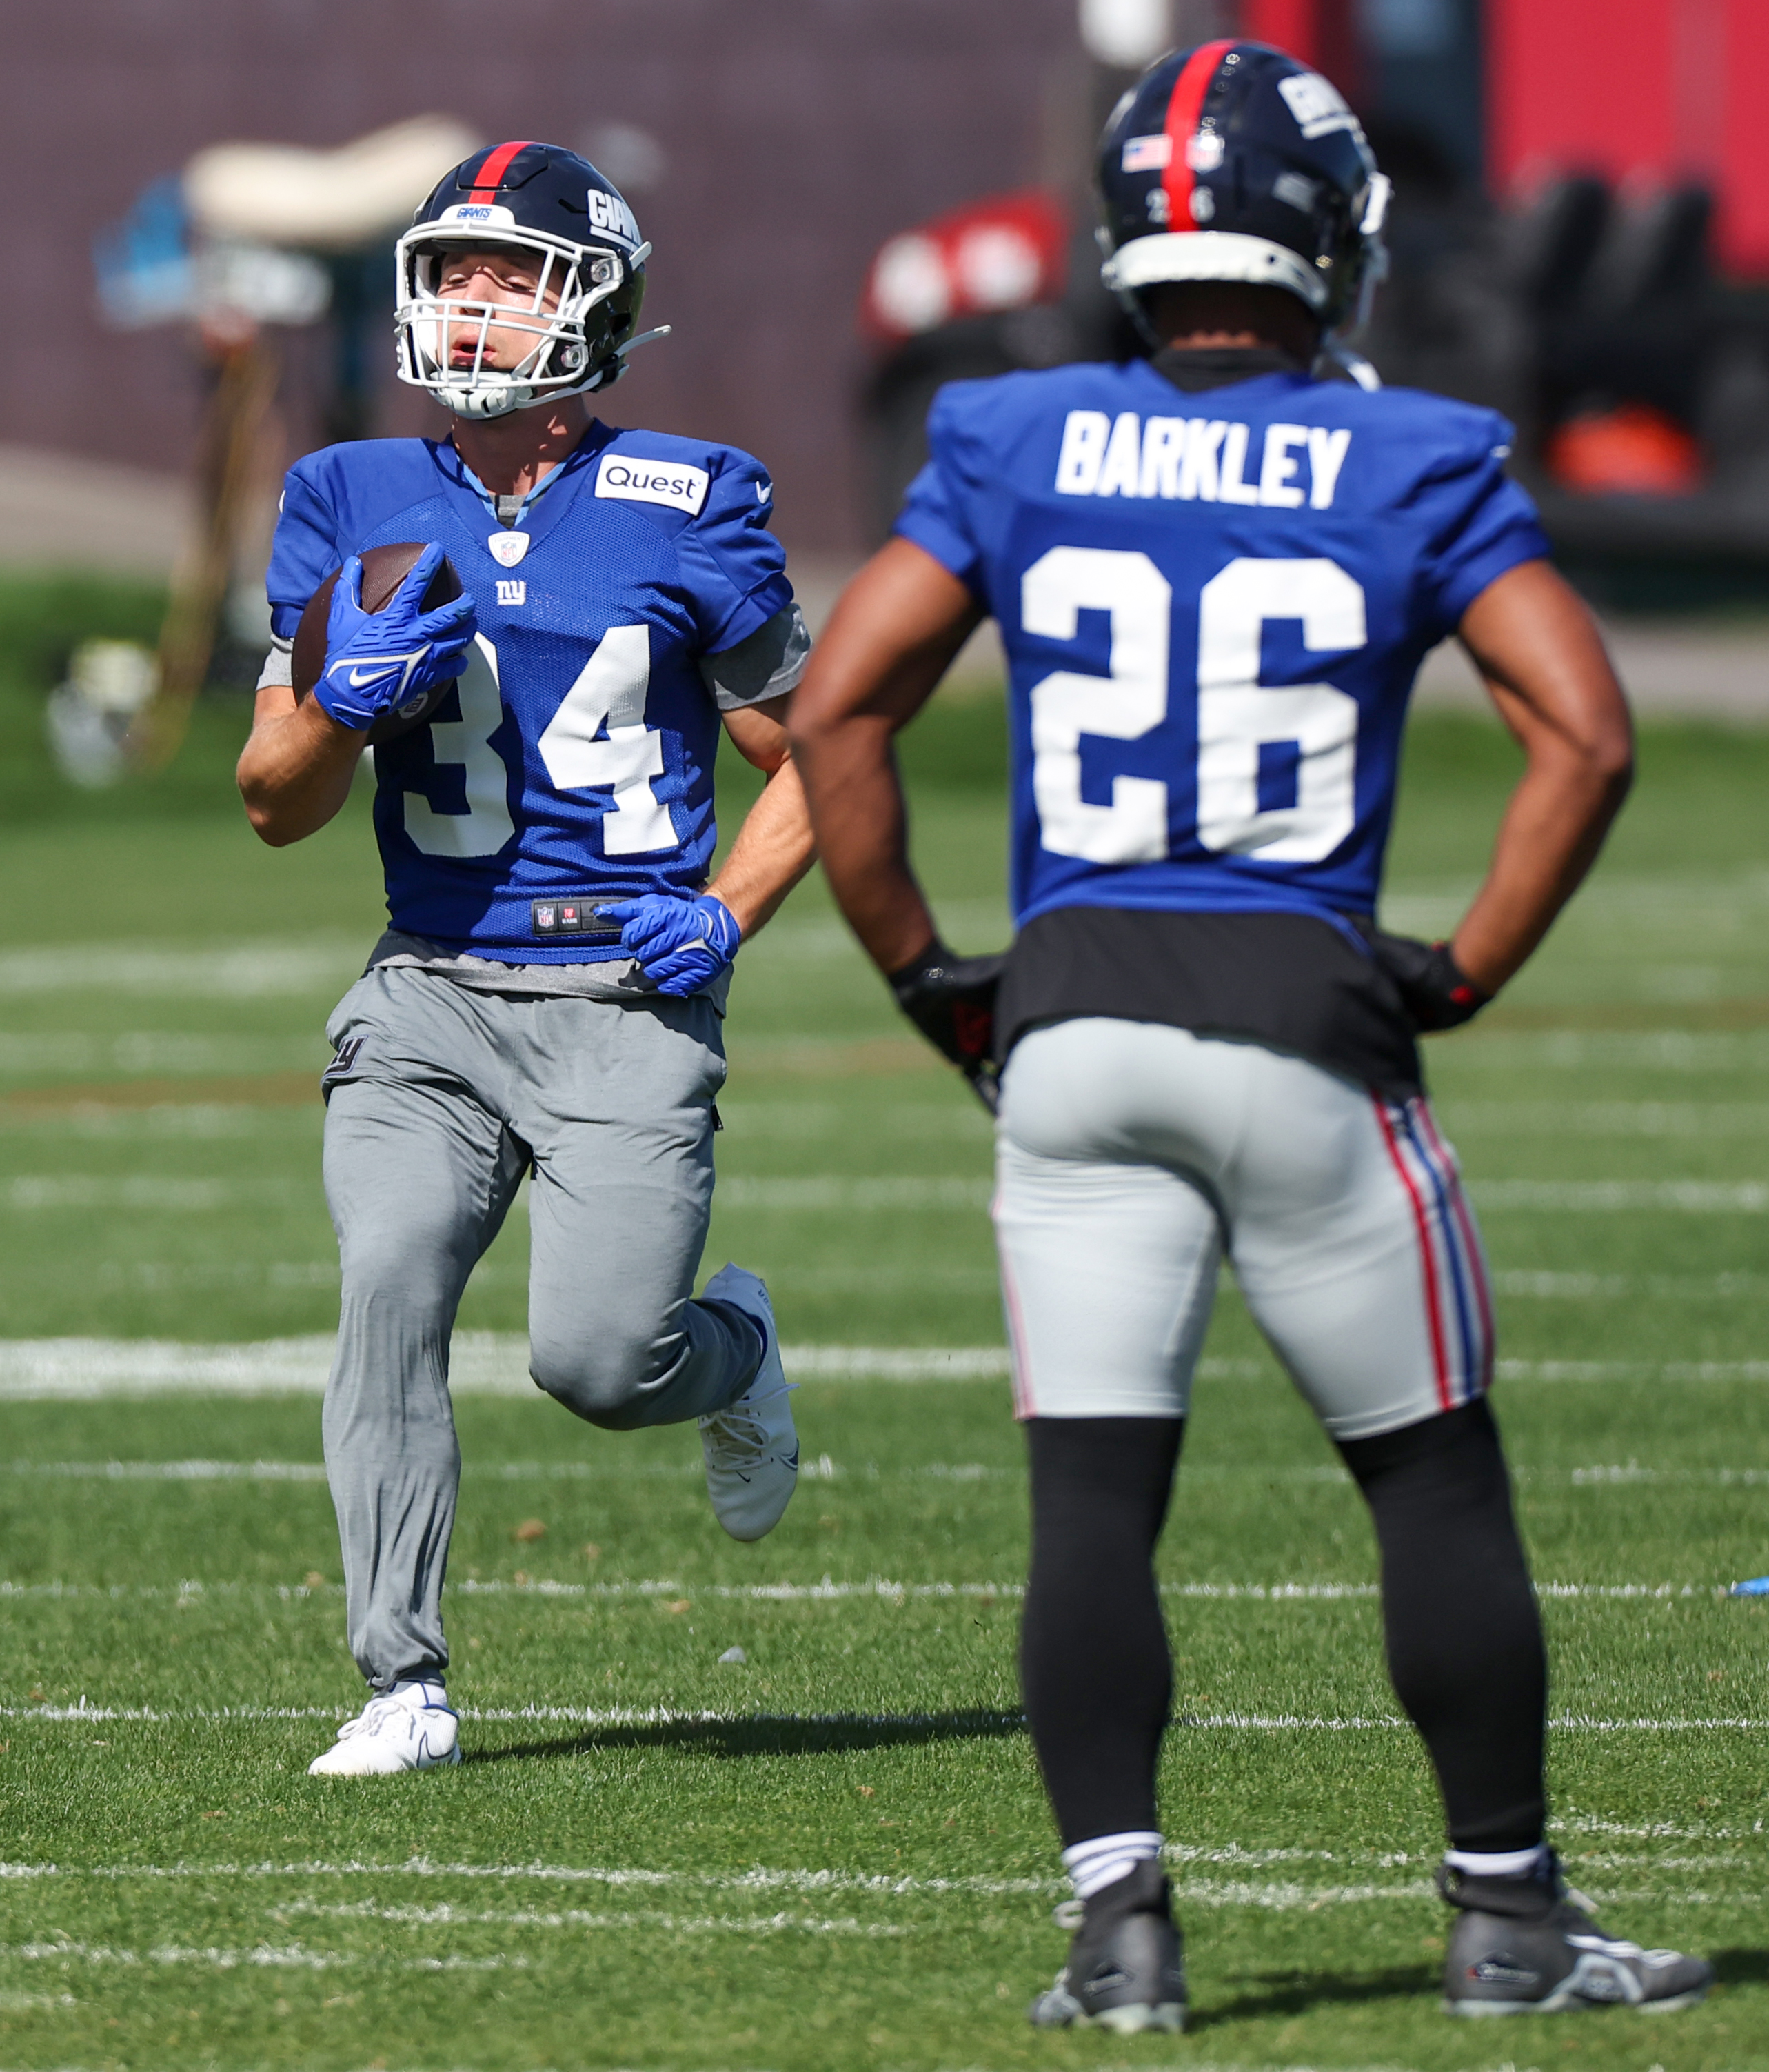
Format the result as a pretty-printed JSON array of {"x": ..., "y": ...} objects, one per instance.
[
  {"x": 548, "y": 995},
  {"x": 1215, "y": 575}
]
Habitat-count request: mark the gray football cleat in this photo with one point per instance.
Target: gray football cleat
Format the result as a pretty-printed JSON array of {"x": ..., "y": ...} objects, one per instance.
[
  {"x": 1126, "y": 1967},
  {"x": 1529, "y": 1946},
  {"x": 751, "y": 1446}
]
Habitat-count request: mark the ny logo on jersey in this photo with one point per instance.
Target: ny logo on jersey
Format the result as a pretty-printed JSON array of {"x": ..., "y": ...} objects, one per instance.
[{"x": 512, "y": 590}]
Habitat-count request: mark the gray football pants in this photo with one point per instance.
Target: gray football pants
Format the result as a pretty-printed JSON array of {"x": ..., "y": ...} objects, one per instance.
[
  {"x": 1131, "y": 1156},
  {"x": 440, "y": 1099}
]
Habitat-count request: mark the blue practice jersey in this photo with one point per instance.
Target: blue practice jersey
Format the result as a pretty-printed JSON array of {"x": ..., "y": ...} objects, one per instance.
[
  {"x": 1213, "y": 607},
  {"x": 573, "y": 761}
]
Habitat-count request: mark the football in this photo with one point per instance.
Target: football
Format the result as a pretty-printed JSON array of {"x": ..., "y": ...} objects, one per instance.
[{"x": 384, "y": 568}]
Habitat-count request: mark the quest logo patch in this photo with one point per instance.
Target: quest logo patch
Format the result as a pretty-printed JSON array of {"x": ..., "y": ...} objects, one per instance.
[{"x": 653, "y": 482}]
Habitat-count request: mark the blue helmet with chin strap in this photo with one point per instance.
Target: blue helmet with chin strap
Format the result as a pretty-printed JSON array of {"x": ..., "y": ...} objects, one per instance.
[
  {"x": 1232, "y": 161},
  {"x": 572, "y": 227}
]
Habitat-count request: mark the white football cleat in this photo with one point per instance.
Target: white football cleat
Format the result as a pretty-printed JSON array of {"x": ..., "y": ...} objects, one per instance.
[
  {"x": 751, "y": 1447},
  {"x": 410, "y": 1727}
]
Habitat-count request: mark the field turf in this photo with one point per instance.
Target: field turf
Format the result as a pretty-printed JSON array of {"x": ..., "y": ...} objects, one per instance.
[{"x": 833, "y": 1854}]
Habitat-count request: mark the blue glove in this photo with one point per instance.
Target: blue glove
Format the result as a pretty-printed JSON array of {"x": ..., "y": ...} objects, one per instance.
[
  {"x": 682, "y": 945},
  {"x": 378, "y": 661}
]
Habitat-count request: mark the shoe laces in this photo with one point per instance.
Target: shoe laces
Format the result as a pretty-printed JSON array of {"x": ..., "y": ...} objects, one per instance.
[
  {"x": 378, "y": 1712},
  {"x": 374, "y": 1716},
  {"x": 738, "y": 1434}
]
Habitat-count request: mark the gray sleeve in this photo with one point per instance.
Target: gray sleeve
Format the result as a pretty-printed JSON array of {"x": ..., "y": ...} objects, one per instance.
[
  {"x": 766, "y": 664},
  {"x": 279, "y": 665}
]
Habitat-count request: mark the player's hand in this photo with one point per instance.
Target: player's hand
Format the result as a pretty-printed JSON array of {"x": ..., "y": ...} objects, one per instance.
[
  {"x": 1434, "y": 987},
  {"x": 681, "y": 945},
  {"x": 377, "y": 661},
  {"x": 951, "y": 1001}
]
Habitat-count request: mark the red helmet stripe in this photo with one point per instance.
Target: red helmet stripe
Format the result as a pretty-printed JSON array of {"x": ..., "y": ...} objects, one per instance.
[
  {"x": 489, "y": 176},
  {"x": 1185, "y": 105}
]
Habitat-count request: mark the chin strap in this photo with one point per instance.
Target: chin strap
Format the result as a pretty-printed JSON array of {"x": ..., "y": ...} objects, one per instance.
[{"x": 615, "y": 366}]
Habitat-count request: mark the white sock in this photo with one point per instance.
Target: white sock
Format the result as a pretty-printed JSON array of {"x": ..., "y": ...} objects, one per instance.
[
  {"x": 1501, "y": 1864},
  {"x": 1093, "y": 1865},
  {"x": 430, "y": 1693}
]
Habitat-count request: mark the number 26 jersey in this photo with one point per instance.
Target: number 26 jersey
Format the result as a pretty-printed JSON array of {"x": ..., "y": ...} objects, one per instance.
[{"x": 1213, "y": 607}]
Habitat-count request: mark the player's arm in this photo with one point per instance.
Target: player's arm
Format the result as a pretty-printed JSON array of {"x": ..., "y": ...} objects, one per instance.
[
  {"x": 891, "y": 637},
  {"x": 295, "y": 772},
  {"x": 774, "y": 848},
  {"x": 1542, "y": 658}
]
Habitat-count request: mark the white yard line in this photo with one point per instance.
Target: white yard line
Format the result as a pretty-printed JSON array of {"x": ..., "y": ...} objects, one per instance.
[
  {"x": 1671, "y": 1370},
  {"x": 456, "y": 1917},
  {"x": 175, "y": 1471},
  {"x": 1575, "y": 1049},
  {"x": 820, "y": 1193},
  {"x": 186, "y": 970},
  {"x": 882, "y": 1589},
  {"x": 659, "y": 1716},
  {"x": 289, "y": 1957},
  {"x": 157, "y": 1051},
  {"x": 481, "y": 1364},
  {"x": 162, "y": 1195},
  {"x": 1679, "y": 1287},
  {"x": 1619, "y": 1474},
  {"x": 1636, "y": 1118},
  {"x": 496, "y": 1363},
  {"x": 1612, "y": 1196},
  {"x": 1273, "y": 1895}
]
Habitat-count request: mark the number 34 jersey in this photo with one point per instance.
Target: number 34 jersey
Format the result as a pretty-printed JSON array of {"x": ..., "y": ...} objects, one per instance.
[
  {"x": 574, "y": 759},
  {"x": 1213, "y": 606}
]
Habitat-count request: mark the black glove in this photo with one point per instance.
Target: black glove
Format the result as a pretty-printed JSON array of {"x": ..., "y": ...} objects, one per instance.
[
  {"x": 1434, "y": 987},
  {"x": 951, "y": 1001}
]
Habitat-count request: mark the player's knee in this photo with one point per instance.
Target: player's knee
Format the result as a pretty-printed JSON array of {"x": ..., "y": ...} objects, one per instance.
[
  {"x": 407, "y": 1265},
  {"x": 604, "y": 1377}
]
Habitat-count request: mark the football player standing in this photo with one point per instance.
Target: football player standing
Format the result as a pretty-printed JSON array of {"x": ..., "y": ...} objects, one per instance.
[
  {"x": 548, "y": 996},
  {"x": 1215, "y": 576}
]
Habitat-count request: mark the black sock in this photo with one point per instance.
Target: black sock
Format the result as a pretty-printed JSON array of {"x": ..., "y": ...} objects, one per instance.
[
  {"x": 1464, "y": 1632},
  {"x": 1093, "y": 1658}
]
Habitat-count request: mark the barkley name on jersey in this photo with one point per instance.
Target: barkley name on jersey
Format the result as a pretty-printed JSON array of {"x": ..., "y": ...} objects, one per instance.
[
  {"x": 573, "y": 760},
  {"x": 1213, "y": 606}
]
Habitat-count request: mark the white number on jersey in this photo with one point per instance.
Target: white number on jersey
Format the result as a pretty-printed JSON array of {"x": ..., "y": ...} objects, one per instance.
[
  {"x": 484, "y": 826},
  {"x": 610, "y": 691},
  {"x": 1124, "y": 707},
  {"x": 1237, "y": 715}
]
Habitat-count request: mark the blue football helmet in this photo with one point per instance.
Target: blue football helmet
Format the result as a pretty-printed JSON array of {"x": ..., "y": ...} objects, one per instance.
[
  {"x": 554, "y": 208},
  {"x": 1232, "y": 161}
]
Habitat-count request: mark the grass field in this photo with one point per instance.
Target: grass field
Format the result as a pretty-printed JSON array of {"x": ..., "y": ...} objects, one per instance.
[{"x": 835, "y": 1855}]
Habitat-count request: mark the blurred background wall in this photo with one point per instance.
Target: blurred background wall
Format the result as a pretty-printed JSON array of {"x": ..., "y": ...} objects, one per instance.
[
  {"x": 853, "y": 201},
  {"x": 771, "y": 146}
]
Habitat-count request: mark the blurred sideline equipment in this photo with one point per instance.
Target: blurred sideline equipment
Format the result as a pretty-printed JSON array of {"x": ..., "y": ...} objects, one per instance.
[
  {"x": 280, "y": 194},
  {"x": 90, "y": 713},
  {"x": 1582, "y": 297},
  {"x": 253, "y": 236}
]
